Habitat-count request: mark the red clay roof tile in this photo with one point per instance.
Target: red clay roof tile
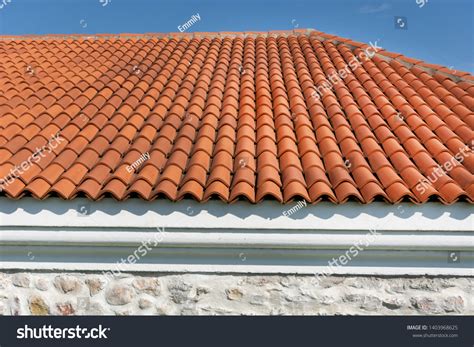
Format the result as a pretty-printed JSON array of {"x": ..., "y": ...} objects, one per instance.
[{"x": 231, "y": 116}]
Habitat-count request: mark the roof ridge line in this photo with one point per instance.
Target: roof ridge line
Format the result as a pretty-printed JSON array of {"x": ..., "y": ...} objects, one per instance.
[{"x": 156, "y": 35}]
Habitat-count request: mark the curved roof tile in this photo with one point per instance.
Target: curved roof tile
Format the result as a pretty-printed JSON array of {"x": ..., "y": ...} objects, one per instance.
[{"x": 231, "y": 116}]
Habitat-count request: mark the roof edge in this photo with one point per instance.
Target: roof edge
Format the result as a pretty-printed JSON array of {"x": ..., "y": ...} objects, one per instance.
[{"x": 432, "y": 69}]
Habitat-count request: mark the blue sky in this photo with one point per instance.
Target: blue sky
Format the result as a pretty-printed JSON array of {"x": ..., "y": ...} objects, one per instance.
[{"x": 438, "y": 31}]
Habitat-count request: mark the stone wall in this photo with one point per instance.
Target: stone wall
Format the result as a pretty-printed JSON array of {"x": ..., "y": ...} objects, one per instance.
[{"x": 211, "y": 294}]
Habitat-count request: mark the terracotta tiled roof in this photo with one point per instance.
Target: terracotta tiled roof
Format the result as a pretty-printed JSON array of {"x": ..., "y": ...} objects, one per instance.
[{"x": 230, "y": 116}]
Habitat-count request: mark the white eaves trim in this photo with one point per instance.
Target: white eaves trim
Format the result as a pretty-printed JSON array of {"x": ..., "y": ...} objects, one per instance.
[
  {"x": 243, "y": 238},
  {"x": 137, "y": 213}
]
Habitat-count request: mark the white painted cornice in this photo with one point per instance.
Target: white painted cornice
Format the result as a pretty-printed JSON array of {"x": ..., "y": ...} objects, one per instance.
[
  {"x": 137, "y": 213},
  {"x": 430, "y": 239}
]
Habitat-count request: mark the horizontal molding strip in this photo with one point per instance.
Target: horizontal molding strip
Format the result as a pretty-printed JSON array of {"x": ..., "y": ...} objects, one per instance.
[
  {"x": 315, "y": 240},
  {"x": 237, "y": 252}
]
